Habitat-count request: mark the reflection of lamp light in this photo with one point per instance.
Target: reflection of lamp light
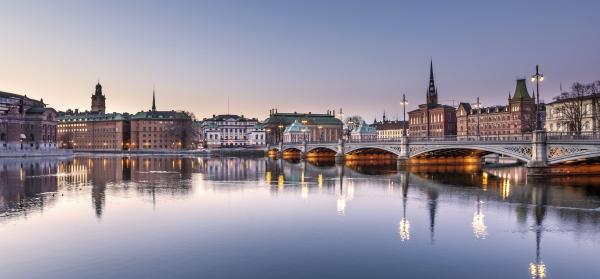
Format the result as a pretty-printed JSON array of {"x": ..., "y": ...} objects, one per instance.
[
  {"x": 404, "y": 229},
  {"x": 479, "y": 227},
  {"x": 537, "y": 270},
  {"x": 341, "y": 205}
]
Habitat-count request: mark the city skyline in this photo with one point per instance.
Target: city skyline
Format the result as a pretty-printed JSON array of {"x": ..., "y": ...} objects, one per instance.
[{"x": 301, "y": 57}]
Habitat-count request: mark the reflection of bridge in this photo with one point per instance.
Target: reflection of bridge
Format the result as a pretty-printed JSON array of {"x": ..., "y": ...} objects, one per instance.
[{"x": 538, "y": 149}]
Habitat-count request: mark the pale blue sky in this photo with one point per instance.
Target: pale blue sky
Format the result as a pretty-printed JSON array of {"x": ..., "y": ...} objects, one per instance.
[{"x": 292, "y": 55}]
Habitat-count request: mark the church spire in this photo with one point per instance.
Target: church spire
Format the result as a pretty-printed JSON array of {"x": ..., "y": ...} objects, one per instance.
[
  {"x": 432, "y": 89},
  {"x": 153, "y": 100}
]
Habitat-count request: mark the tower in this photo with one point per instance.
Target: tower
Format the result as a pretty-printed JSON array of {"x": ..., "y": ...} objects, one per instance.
[
  {"x": 98, "y": 100},
  {"x": 432, "y": 99},
  {"x": 153, "y": 100}
]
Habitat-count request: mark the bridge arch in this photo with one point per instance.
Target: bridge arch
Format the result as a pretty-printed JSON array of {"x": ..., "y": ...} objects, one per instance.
[
  {"x": 579, "y": 156},
  {"x": 354, "y": 149},
  {"x": 320, "y": 148},
  {"x": 520, "y": 153}
]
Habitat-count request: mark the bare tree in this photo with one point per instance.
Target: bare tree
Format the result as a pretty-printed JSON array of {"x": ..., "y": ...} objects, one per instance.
[
  {"x": 571, "y": 108},
  {"x": 66, "y": 140}
]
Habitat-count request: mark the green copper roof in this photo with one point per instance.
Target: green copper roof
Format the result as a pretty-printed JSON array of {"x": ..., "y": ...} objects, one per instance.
[
  {"x": 295, "y": 127},
  {"x": 521, "y": 90},
  {"x": 92, "y": 116},
  {"x": 161, "y": 115},
  {"x": 309, "y": 118}
]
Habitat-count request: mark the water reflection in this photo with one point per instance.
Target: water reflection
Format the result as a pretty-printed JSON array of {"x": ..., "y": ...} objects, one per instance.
[{"x": 436, "y": 201}]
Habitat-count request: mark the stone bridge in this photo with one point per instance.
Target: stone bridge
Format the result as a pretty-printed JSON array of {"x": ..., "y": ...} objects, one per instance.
[{"x": 537, "y": 149}]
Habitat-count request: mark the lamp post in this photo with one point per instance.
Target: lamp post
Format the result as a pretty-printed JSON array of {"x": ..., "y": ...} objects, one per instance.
[
  {"x": 403, "y": 103},
  {"x": 320, "y": 133},
  {"x": 537, "y": 78},
  {"x": 478, "y": 107},
  {"x": 280, "y": 133}
]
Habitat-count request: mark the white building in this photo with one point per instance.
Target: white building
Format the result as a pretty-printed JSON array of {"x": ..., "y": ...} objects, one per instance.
[
  {"x": 296, "y": 132},
  {"x": 363, "y": 132},
  {"x": 232, "y": 131},
  {"x": 389, "y": 129},
  {"x": 558, "y": 121}
]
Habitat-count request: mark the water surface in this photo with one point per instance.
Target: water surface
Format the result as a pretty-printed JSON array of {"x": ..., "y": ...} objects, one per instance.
[{"x": 177, "y": 217}]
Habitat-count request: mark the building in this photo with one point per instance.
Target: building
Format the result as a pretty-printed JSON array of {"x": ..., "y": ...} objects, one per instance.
[
  {"x": 228, "y": 130},
  {"x": 94, "y": 130},
  {"x": 321, "y": 127},
  {"x": 363, "y": 132},
  {"x": 388, "y": 130},
  {"x": 572, "y": 114},
  {"x": 98, "y": 100},
  {"x": 516, "y": 118},
  {"x": 161, "y": 130},
  {"x": 432, "y": 119},
  {"x": 296, "y": 132},
  {"x": 26, "y": 124}
]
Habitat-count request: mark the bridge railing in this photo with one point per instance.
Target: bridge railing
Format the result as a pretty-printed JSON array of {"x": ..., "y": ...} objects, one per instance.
[
  {"x": 484, "y": 138},
  {"x": 587, "y": 136}
]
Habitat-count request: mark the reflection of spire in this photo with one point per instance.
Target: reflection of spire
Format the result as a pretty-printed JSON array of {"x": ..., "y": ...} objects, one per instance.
[
  {"x": 433, "y": 196},
  {"x": 537, "y": 269},
  {"x": 98, "y": 198},
  {"x": 404, "y": 227},
  {"x": 479, "y": 227},
  {"x": 341, "y": 201}
]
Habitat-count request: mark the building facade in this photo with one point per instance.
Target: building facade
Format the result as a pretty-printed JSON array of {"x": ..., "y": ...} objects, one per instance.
[
  {"x": 568, "y": 115},
  {"x": 516, "y": 118},
  {"x": 363, "y": 132},
  {"x": 321, "y": 127},
  {"x": 161, "y": 130},
  {"x": 296, "y": 132},
  {"x": 432, "y": 119},
  {"x": 93, "y": 130},
  {"x": 389, "y": 130},
  {"x": 26, "y": 124},
  {"x": 230, "y": 130}
]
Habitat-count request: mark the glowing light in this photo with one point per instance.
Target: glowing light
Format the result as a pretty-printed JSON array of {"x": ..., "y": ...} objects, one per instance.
[
  {"x": 341, "y": 205},
  {"x": 537, "y": 270},
  {"x": 404, "y": 230},
  {"x": 505, "y": 188},
  {"x": 268, "y": 177},
  {"x": 304, "y": 191}
]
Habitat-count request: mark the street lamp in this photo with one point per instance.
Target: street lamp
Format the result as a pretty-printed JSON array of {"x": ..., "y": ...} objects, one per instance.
[
  {"x": 537, "y": 78},
  {"x": 320, "y": 133},
  {"x": 478, "y": 107},
  {"x": 403, "y": 103},
  {"x": 280, "y": 132}
]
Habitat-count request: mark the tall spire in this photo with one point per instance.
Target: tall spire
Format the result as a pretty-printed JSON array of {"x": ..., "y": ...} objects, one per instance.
[
  {"x": 153, "y": 100},
  {"x": 432, "y": 89}
]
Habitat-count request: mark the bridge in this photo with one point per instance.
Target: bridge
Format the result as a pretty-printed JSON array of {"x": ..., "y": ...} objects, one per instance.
[{"x": 538, "y": 149}]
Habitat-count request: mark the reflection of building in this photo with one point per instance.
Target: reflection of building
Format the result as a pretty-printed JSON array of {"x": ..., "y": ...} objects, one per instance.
[
  {"x": 155, "y": 129},
  {"x": 21, "y": 182},
  {"x": 26, "y": 124},
  {"x": 389, "y": 129},
  {"x": 432, "y": 119},
  {"x": 515, "y": 118},
  {"x": 232, "y": 130},
  {"x": 95, "y": 129},
  {"x": 323, "y": 127},
  {"x": 363, "y": 132}
]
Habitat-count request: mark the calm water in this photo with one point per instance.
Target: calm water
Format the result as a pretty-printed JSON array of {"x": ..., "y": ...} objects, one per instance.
[{"x": 170, "y": 217}]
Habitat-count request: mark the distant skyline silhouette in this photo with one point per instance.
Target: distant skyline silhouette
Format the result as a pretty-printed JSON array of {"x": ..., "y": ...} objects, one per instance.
[{"x": 294, "y": 56}]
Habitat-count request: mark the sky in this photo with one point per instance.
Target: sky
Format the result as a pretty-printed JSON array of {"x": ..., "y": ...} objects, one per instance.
[{"x": 291, "y": 55}]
